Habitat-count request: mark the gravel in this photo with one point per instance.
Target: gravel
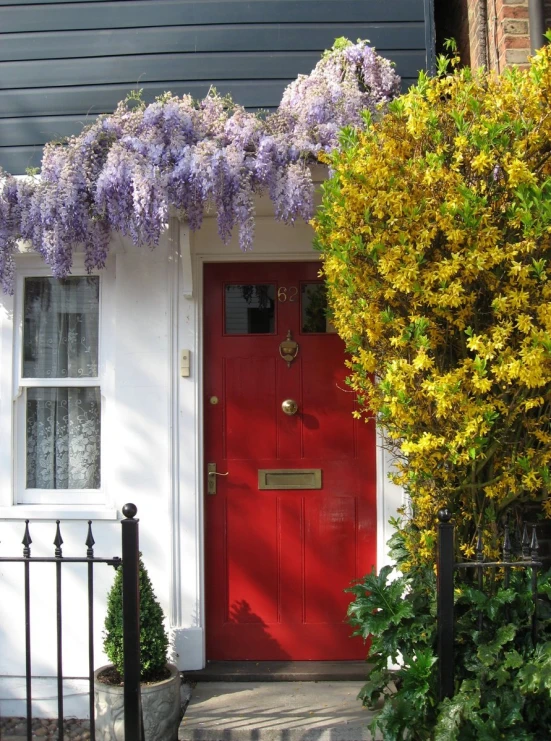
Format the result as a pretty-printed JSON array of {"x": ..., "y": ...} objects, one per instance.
[{"x": 15, "y": 729}]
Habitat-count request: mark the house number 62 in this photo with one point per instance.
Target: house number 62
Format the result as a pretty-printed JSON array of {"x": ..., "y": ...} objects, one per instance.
[{"x": 287, "y": 294}]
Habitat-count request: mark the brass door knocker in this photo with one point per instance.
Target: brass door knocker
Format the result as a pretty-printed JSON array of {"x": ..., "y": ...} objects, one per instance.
[{"x": 288, "y": 349}]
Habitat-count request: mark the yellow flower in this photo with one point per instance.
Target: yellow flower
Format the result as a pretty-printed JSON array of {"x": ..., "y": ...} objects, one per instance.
[
  {"x": 436, "y": 236},
  {"x": 518, "y": 172},
  {"x": 482, "y": 162},
  {"x": 468, "y": 550}
]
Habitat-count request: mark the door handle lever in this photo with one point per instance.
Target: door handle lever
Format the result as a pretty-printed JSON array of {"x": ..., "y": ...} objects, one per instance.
[{"x": 211, "y": 478}]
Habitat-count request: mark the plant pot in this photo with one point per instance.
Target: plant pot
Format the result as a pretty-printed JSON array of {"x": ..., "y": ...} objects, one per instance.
[{"x": 160, "y": 705}]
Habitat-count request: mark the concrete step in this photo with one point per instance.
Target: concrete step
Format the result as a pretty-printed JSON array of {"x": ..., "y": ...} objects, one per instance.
[
  {"x": 280, "y": 671},
  {"x": 275, "y": 711}
]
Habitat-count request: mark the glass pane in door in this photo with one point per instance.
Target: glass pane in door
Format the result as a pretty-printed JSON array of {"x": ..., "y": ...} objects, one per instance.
[{"x": 250, "y": 309}]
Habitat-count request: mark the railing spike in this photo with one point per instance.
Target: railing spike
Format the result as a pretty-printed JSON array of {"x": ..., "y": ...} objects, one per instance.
[
  {"x": 27, "y": 540},
  {"x": 525, "y": 543},
  {"x": 58, "y": 540},
  {"x": 534, "y": 545},
  {"x": 507, "y": 551},
  {"x": 479, "y": 545},
  {"x": 517, "y": 532},
  {"x": 90, "y": 541}
]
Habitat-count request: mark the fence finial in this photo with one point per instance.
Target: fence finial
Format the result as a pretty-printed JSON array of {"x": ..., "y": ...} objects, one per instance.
[
  {"x": 507, "y": 550},
  {"x": 525, "y": 543},
  {"x": 27, "y": 541},
  {"x": 444, "y": 514},
  {"x": 89, "y": 542},
  {"x": 518, "y": 535},
  {"x": 534, "y": 545},
  {"x": 129, "y": 511},
  {"x": 479, "y": 545},
  {"x": 58, "y": 540}
]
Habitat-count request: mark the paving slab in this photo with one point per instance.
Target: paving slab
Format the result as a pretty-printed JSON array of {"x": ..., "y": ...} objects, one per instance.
[{"x": 275, "y": 711}]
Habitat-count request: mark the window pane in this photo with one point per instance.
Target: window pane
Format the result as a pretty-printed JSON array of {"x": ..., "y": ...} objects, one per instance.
[
  {"x": 313, "y": 302},
  {"x": 250, "y": 309},
  {"x": 63, "y": 438},
  {"x": 60, "y": 335}
]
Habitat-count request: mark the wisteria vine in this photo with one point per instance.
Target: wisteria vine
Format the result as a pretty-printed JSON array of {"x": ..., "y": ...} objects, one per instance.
[{"x": 125, "y": 171}]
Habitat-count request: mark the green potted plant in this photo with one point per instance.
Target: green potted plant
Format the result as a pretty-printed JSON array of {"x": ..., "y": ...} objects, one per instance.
[{"x": 160, "y": 680}]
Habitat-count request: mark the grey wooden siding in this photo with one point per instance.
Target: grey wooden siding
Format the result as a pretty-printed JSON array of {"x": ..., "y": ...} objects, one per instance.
[{"x": 63, "y": 63}]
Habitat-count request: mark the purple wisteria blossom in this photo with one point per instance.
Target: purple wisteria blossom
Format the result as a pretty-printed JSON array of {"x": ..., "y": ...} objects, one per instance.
[{"x": 126, "y": 171}]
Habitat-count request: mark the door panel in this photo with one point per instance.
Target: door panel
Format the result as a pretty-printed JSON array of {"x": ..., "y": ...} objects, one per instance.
[
  {"x": 252, "y": 580},
  {"x": 250, "y": 384},
  {"x": 277, "y": 561},
  {"x": 328, "y": 426}
]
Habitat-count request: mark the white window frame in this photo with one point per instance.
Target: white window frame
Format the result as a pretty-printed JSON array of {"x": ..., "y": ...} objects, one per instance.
[{"x": 58, "y": 502}]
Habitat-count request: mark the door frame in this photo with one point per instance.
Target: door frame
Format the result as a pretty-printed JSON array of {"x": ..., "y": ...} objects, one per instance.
[{"x": 188, "y": 406}]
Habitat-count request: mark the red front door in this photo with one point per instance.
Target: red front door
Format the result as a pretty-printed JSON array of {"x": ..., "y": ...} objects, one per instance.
[{"x": 277, "y": 560}]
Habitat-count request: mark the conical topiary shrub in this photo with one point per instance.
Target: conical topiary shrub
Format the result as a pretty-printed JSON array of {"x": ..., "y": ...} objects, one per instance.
[{"x": 153, "y": 636}]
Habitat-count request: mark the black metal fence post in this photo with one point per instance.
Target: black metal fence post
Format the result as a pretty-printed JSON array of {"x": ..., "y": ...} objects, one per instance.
[
  {"x": 58, "y": 542},
  {"x": 534, "y": 554},
  {"x": 445, "y": 571},
  {"x": 28, "y": 681},
  {"x": 479, "y": 568},
  {"x": 133, "y": 722},
  {"x": 90, "y": 542}
]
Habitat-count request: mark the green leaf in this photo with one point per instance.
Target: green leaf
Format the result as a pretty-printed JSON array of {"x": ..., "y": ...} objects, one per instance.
[
  {"x": 535, "y": 676},
  {"x": 513, "y": 660},
  {"x": 489, "y": 653}
]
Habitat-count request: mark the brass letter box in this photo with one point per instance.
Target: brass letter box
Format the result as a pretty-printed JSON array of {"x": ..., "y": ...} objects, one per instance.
[{"x": 289, "y": 478}]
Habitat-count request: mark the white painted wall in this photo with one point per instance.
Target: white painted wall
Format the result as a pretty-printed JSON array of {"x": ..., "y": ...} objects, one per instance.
[
  {"x": 153, "y": 424},
  {"x": 136, "y": 466}
]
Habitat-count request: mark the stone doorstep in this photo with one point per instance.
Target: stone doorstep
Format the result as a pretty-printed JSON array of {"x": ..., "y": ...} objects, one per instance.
[
  {"x": 280, "y": 711},
  {"x": 280, "y": 671}
]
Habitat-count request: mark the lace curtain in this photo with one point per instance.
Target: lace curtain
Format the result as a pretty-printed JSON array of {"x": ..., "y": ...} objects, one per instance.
[
  {"x": 63, "y": 424},
  {"x": 63, "y": 438}
]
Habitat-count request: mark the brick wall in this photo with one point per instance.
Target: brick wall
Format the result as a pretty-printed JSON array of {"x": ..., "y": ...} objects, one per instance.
[
  {"x": 547, "y": 5},
  {"x": 493, "y": 33},
  {"x": 512, "y": 34},
  {"x": 477, "y": 34},
  {"x": 503, "y": 29}
]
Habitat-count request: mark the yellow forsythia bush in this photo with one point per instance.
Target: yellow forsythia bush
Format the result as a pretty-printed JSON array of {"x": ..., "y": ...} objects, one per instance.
[{"x": 435, "y": 230}]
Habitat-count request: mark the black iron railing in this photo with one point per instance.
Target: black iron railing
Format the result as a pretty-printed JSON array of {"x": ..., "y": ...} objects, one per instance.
[
  {"x": 133, "y": 723},
  {"x": 446, "y": 568}
]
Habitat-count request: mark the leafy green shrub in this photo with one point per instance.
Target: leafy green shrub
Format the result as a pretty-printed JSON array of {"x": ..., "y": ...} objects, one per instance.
[
  {"x": 502, "y": 682},
  {"x": 153, "y": 636}
]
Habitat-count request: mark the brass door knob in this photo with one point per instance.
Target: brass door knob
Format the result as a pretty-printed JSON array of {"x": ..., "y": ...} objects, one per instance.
[{"x": 290, "y": 407}]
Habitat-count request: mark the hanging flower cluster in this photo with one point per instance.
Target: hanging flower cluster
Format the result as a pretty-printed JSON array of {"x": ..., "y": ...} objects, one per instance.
[{"x": 125, "y": 172}]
